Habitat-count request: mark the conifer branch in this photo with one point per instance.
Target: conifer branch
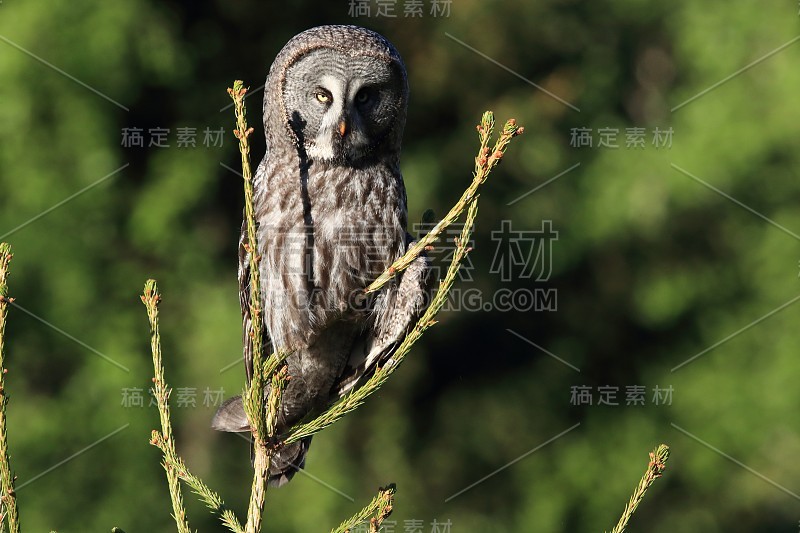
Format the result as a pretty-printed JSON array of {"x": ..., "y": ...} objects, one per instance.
[
  {"x": 658, "y": 460},
  {"x": 173, "y": 465},
  {"x": 151, "y": 298},
  {"x": 261, "y": 415},
  {"x": 9, "y": 496},
  {"x": 375, "y": 512},
  {"x": 485, "y": 161},
  {"x": 210, "y": 498}
]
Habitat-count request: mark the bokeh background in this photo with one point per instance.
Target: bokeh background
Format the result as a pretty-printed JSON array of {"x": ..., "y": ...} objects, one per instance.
[{"x": 665, "y": 250}]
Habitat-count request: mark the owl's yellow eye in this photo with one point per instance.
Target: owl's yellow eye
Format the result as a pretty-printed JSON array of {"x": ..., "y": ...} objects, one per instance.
[{"x": 322, "y": 97}]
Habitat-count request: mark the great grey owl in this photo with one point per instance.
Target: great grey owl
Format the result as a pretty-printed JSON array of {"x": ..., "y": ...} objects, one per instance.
[{"x": 331, "y": 210}]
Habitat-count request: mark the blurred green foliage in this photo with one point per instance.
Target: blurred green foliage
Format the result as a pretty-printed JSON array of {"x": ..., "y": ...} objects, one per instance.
[{"x": 651, "y": 266}]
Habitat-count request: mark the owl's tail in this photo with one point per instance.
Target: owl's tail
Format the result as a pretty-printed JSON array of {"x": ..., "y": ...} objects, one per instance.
[
  {"x": 285, "y": 464},
  {"x": 230, "y": 417}
]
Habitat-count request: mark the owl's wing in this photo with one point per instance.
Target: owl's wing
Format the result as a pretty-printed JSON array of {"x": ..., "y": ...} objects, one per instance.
[{"x": 398, "y": 309}]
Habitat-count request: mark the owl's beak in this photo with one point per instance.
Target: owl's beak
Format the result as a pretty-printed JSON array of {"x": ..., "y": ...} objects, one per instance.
[{"x": 342, "y": 128}]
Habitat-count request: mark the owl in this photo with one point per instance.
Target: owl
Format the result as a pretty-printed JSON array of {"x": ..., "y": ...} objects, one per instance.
[{"x": 330, "y": 204}]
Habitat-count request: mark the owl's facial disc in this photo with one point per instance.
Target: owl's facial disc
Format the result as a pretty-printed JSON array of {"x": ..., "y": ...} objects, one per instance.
[{"x": 343, "y": 106}]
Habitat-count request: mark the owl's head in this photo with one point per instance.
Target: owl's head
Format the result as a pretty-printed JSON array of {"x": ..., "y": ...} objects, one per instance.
[{"x": 342, "y": 92}]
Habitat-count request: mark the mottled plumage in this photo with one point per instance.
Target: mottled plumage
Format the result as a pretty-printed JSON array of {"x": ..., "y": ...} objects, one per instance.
[{"x": 331, "y": 209}]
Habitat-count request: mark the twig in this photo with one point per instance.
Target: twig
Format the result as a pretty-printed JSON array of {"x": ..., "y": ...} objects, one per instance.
[
  {"x": 376, "y": 512},
  {"x": 658, "y": 460},
  {"x": 263, "y": 453},
  {"x": 151, "y": 298},
  {"x": 9, "y": 496},
  {"x": 173, "y": 465},
  {"x": 254, "y": 397},
  {"x": 209, "y": 497},
  {"x": 262, "y": 417},
  {"x": 484, "y": 163}
]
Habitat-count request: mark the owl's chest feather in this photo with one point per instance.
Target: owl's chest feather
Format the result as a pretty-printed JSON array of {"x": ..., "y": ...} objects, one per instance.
[{"x": 326, "y": 236}]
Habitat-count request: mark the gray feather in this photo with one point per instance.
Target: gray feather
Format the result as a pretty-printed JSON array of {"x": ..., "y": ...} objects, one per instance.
[{"x": 330, "y": 203}]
